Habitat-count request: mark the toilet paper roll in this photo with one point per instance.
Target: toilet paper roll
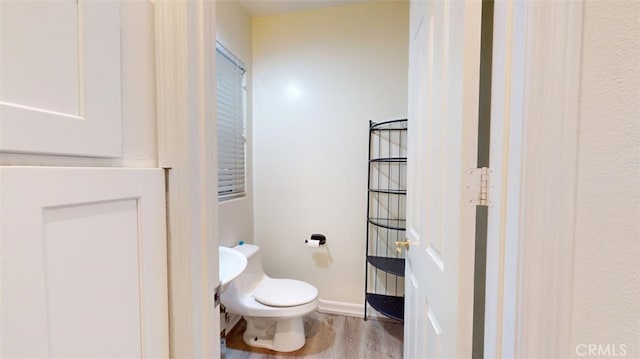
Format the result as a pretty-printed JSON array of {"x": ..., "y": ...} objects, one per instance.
[{"x": 312, "y": 243}]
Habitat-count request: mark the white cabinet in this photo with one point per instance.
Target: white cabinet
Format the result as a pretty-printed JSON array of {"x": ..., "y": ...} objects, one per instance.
[
  {"x": 60, "y": 67},
  {"x": 83, "y": 251},
  {"x": 83, "y": 263}
]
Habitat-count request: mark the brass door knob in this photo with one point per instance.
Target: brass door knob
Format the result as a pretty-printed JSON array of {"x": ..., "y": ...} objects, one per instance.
[{"x": 400, "y": 244}]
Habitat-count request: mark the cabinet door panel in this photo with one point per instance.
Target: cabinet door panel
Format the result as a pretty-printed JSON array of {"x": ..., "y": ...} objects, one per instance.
[
  {"x": 61, "y": 78},
  {"x": 83, "y": 253}
]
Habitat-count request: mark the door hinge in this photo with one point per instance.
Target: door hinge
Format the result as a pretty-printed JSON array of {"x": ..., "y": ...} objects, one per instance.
[
  {"x": 477, "y": 187},
  {"x": 216, "y": 295}
]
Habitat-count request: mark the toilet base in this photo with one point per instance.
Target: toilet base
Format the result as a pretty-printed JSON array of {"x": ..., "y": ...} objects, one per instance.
[{"x": 279, "y": 334}]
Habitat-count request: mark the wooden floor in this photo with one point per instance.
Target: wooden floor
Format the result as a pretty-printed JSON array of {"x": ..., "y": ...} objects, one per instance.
[{"x": 331, "y": 337}]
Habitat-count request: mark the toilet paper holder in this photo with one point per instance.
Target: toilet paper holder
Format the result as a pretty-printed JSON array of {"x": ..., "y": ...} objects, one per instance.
[{"x": 316, "y": 237}]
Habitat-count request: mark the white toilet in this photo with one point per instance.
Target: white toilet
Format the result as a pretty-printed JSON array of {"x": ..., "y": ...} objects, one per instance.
[{"x": 273, "y": 308}]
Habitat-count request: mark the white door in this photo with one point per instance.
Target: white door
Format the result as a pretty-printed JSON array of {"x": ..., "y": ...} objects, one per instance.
[{"x": 443, "y": 119}]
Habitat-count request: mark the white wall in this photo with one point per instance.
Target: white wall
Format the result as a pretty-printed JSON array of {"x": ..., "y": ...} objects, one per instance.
[
  {"x": 319, "y": 77},
  {"x": 606, "y": 291},
  {"x": 139, "y": 143},
  {"x": 233, "y": 30}
]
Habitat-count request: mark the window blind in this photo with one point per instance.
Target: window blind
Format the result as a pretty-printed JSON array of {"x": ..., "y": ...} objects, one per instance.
[{"x": 231, "y": 104}]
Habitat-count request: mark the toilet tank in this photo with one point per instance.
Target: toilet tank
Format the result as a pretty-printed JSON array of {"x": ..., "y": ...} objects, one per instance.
[{"x": 254, "y": 273}]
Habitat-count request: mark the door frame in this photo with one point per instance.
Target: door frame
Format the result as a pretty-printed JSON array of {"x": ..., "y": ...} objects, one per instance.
[
  {"x": 187, "y": 142},
  {"x": 535, "y": 93},
  {"x": 534, "y": 139}
]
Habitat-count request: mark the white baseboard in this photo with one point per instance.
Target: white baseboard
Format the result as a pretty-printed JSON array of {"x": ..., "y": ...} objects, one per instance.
[
  {"x": 348, "y": 309},
  {"x": 340, "y": 308},
  {"x": 228, "y": 326}
]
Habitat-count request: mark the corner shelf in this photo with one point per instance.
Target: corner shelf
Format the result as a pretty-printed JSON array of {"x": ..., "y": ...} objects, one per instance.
[
  {"x": 397, "y": 224},
  {"x": 389, "y": 160},
  {"x": 388, "y": 264},
  {"x": 388, "y": 191},
  {"x": 391, "y": 306},
  {"x": 386, "y": 218}
]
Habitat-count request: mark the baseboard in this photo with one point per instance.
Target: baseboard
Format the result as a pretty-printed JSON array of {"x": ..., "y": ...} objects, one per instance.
[
  {"x": 228, "y": 323},
  {"x": 233, "y": 322},
  {"x": 340, "y": 308},
  {"x": 348, "y": 309}
]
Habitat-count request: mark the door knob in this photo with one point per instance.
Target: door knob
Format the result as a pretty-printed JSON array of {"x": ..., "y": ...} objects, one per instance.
[{"x": 400, "y": 244}]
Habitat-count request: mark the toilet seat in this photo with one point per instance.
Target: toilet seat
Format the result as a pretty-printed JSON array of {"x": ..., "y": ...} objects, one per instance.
[{"x": 284, "y": 292}]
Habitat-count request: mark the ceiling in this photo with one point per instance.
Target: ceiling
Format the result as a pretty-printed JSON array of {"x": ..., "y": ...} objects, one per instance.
[{"x": 271, "y": 7}]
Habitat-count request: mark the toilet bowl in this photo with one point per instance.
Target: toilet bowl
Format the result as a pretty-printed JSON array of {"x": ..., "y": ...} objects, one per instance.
[{"x": 273, "y": 308}]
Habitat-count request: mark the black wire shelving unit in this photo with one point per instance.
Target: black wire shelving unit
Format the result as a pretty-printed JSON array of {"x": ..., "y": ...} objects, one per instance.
[{"x": 386, "y": 218}]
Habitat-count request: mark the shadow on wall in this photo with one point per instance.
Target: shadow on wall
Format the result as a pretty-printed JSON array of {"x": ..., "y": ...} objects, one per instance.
[{"x": 323, "y": 257}]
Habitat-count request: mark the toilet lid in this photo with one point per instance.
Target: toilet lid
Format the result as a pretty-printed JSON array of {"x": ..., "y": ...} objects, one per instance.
[{"x": 284, "y": 292}]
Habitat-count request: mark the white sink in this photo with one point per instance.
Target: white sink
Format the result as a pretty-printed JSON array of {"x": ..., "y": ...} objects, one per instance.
[{"x": 232, "y": 264}]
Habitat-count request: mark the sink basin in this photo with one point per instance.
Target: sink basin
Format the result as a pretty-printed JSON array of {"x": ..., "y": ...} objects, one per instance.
[{"x": 232, "y": 263}]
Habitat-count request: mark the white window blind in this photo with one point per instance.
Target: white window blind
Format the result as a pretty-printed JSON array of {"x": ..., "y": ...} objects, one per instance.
[{"x": 231, "y": 103}]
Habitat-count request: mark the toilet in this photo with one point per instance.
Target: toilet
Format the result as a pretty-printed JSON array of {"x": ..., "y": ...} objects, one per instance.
[{"x": 273, "y": 308}]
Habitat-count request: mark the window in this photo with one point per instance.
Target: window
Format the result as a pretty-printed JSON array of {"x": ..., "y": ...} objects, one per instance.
[{"x": 231, "y": 103}]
